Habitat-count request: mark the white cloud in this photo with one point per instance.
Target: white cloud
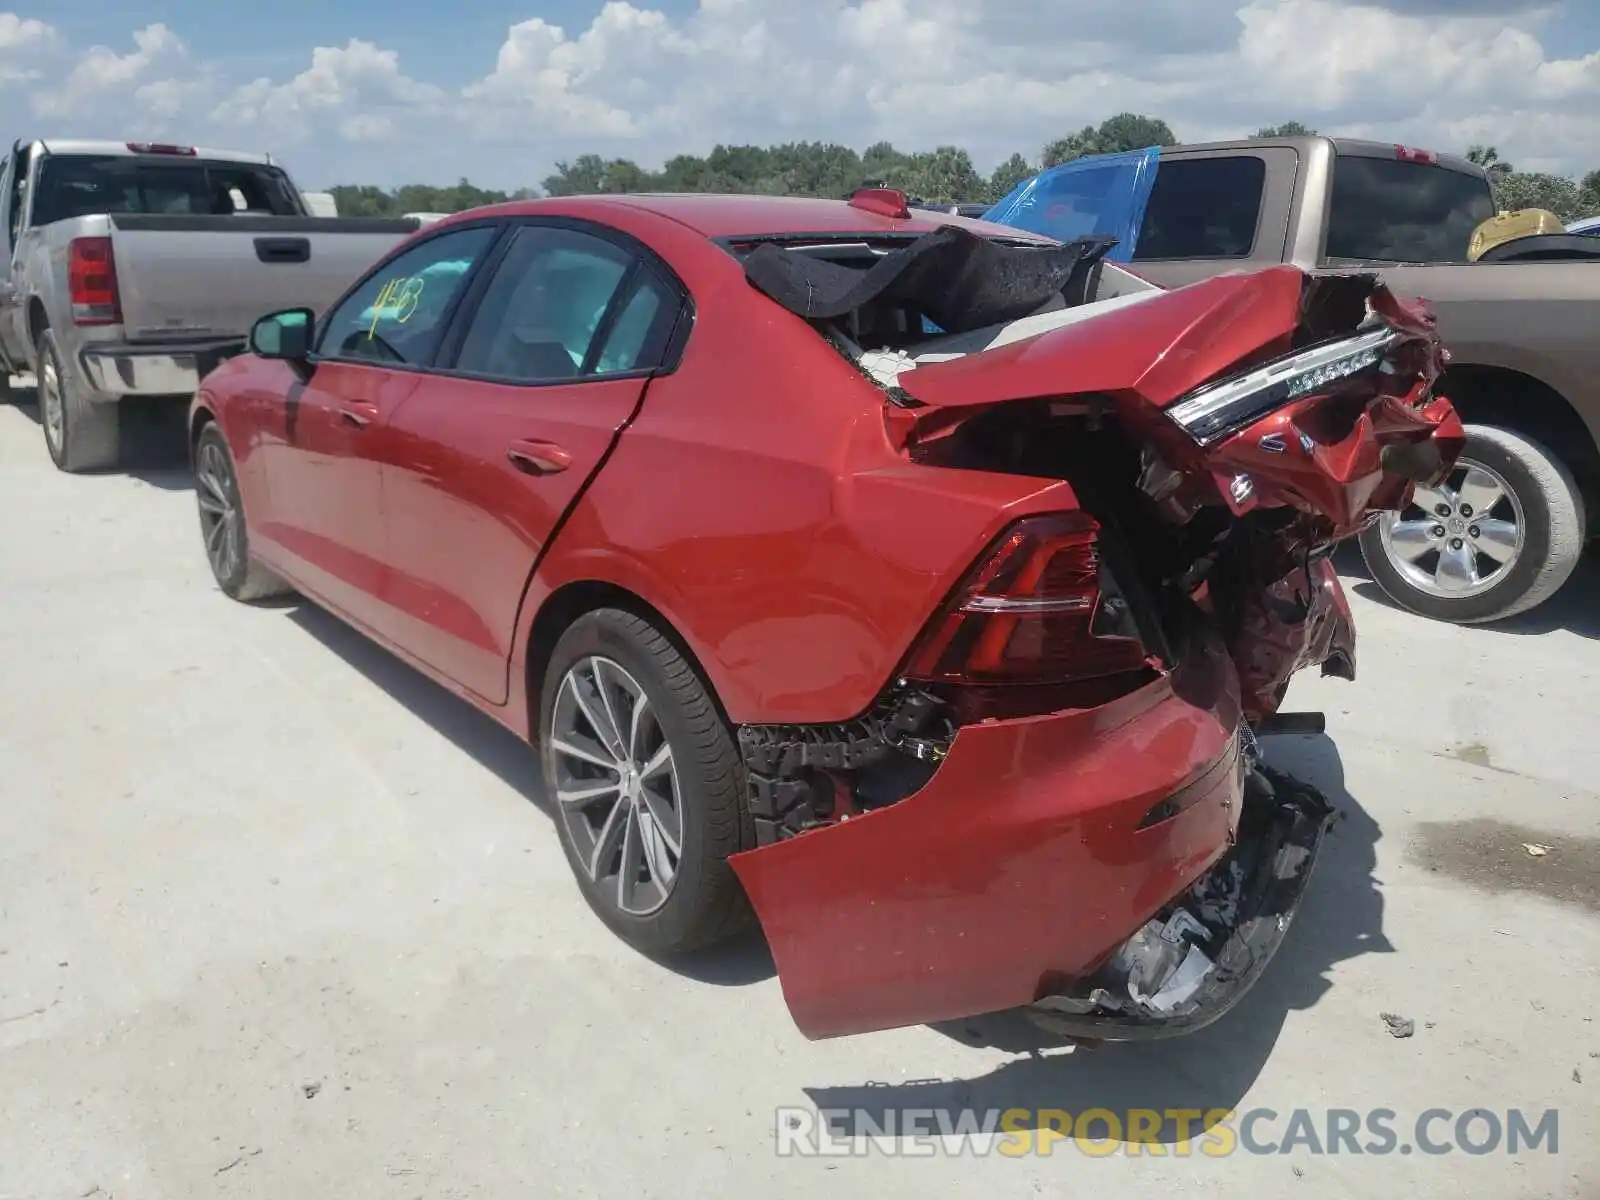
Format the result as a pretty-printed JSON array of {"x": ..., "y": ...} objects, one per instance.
[
  {"x": 159, "y": 56},
  {"x": 994, "y": 76}
]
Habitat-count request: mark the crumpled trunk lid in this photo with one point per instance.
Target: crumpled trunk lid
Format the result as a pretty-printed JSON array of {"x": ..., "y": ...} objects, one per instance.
[{"x": 1317, "y": 466}]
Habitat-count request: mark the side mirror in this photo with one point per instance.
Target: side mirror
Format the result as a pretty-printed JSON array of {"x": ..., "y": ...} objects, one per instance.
[{"x": 284, "y": 335}]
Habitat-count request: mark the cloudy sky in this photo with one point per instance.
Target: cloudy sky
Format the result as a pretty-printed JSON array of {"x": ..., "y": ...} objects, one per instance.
[{"x": 362, "y": 91}]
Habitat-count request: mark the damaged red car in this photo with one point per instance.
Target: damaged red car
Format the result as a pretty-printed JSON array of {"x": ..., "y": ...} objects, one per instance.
[{"x": 908, "y": 585}]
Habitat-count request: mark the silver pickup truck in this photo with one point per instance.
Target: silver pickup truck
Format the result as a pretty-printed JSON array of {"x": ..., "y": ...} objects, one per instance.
[{"x": 134, "y": 268}]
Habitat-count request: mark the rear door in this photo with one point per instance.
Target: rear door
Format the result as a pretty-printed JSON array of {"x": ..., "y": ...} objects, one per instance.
[{"x": 547, "y": 364}]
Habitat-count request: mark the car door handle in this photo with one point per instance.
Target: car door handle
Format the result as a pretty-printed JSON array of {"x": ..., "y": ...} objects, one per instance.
[
  {"x": 538, "y": 458},
  {"x": 358, "y": 413}
]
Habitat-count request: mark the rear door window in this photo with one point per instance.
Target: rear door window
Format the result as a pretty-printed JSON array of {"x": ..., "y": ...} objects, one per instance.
[
  {"x": 564, "y": 305},
  {"x": 1203, "y": 208},
  {"x": 1391, "y": 210}
]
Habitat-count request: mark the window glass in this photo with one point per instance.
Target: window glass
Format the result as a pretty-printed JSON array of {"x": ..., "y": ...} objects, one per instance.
[
  {"x": 635, "y": 339},
  {"x": 398, "y": 314},
  {"x": 76, "y": 185},
  {"x": 1203, "y": 208},
  {"x": 540, "y": 312},
  {"x": 1390, "y": 210}
]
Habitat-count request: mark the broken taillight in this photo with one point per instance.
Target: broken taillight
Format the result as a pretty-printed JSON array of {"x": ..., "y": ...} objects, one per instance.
[
  {"x": 1038, "y": 608},
  {"x": 92, "y": 282}
]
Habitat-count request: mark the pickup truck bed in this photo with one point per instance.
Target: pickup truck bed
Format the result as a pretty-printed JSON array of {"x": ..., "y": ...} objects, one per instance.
[
  {"x": 212, "y": 277},
  {"x": 134, "y": 268}
]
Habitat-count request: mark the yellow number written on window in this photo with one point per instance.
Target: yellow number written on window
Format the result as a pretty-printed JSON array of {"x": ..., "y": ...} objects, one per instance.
[{"x": 397, "y": 301}]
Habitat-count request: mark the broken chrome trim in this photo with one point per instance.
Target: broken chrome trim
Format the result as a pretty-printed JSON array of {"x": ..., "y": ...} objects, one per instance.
[
  {"x": 1206, "y": 982},
  {"x": 1220, "y": 409}
]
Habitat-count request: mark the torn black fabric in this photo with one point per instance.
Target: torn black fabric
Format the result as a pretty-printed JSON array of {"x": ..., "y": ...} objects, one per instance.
[{"x": 956, "y": 278}]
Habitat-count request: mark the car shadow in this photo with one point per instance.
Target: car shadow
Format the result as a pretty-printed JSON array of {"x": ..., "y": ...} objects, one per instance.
[
  {"x": 1341, "y": 918},
  {"x": 738, "y": 963},
  {"x": 1211, "y": 1070},
  {"x": 489, "y": 743},
  {"x": 1575, "y": 608},
  {"x": 26, "y": 398},
  {"x": 152, "y": 447}
]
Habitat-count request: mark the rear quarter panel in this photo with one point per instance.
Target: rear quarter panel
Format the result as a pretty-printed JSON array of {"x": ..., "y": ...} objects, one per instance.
[{"x": 757, "y": 503}]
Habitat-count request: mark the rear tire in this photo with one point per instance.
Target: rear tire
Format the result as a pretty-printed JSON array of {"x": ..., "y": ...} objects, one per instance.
[
  {"x": 1543, "y": 501},
  {"x": 224, "y": 529},
  {"x": 79, "y": 434},
  {"x": 651, "y": 701}
]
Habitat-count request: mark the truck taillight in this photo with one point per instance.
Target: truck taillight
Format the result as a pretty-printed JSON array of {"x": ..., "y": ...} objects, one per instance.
[
  {"x": 92, "y": 282},
  {"x": 1039, "y": 607}
]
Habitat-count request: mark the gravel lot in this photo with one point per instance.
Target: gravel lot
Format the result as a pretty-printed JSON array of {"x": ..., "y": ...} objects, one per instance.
[{"x": 279, "y": 918}]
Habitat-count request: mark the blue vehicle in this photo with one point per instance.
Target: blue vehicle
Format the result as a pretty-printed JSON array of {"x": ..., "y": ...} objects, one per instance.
[{"x": 1104, "y": 194}]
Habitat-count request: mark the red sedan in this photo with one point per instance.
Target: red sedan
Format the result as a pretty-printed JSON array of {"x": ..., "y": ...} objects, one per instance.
[{"x": 904, "y": 583}]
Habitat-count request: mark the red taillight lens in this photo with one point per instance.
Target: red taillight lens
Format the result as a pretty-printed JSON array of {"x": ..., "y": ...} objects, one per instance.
[
  {"x": 92, "y": 282},
  {"x": 1038, "y": 608}
]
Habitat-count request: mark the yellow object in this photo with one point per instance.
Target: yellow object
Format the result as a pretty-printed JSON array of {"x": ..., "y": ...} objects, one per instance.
[{"x": 1508, "y": 226}]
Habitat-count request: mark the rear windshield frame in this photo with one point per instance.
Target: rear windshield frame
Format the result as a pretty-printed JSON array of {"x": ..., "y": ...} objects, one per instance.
[{"x": 49, "y": 203}]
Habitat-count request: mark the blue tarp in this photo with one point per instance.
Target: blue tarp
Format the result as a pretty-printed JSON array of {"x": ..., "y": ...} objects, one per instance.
[{"x": 1102, "y": 194}]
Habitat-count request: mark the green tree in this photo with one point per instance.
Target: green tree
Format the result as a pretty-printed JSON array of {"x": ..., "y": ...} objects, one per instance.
[
  {"x": 1488, "y": 158},
  {"x": 581, "y": 177},
  {"x": 1115, "y": 135},
  {"x": 1008, "y": 175},
  {"x": 362, "y": 201},
  {"x": 1589, "y": 194},
  {"x": 1287, "y": 129},
  {"x": 1533, "y": 189}
]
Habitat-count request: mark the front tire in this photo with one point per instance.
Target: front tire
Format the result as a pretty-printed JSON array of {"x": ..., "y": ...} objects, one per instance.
[
  {"x": 223, "y": 529},
  {"x": 1498, "y": 537},
  {"x": 648, "y": 787},
  {"x": 79, "y": 434}
]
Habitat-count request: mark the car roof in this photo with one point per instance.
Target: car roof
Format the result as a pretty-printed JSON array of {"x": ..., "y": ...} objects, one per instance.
[{"x": 734, "y": 216}]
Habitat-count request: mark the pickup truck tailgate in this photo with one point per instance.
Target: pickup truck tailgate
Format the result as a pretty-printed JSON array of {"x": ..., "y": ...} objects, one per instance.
[{"x": 213, "y": 276}]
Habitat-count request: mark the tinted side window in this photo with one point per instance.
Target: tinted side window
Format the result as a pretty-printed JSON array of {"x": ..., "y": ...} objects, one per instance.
[
  {"x": 1391, "y": 210},
  {"x": 544, "y": 306},
  {"x": 1203, "y": 208},
  {"x": 399, "y": 312},
  {"x": 638, "y": 338}
]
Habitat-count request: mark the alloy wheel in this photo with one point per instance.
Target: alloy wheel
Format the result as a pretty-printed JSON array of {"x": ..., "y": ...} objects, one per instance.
[
  {"x": 616, "y": 785},
  {"x": 1460, "y": 538},
  {"x": 52, "y": 412},
  {"x": 221, "y": 518}
]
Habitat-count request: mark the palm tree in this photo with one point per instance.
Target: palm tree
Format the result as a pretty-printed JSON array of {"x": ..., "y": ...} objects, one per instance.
[{"x": 1488, "y": 158}]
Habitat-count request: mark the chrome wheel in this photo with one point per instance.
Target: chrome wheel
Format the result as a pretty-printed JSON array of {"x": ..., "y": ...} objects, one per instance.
[
  {"x": 52, "y": 412},
  {"x": 616, "y": 785},
  {"x": 221, "y": 518},
  {"x": 1460, "y": 538}
]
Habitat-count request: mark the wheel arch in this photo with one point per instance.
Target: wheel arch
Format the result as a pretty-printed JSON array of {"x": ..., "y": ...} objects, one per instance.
[
  {"x": 1515, "y": 400},
  {"x": 572, "y": 600}
]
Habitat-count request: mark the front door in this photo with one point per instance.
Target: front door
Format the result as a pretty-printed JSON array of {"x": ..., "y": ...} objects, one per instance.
[
  {"x": 491, "y": 454},
  {"x": 324, "y": 447}
]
